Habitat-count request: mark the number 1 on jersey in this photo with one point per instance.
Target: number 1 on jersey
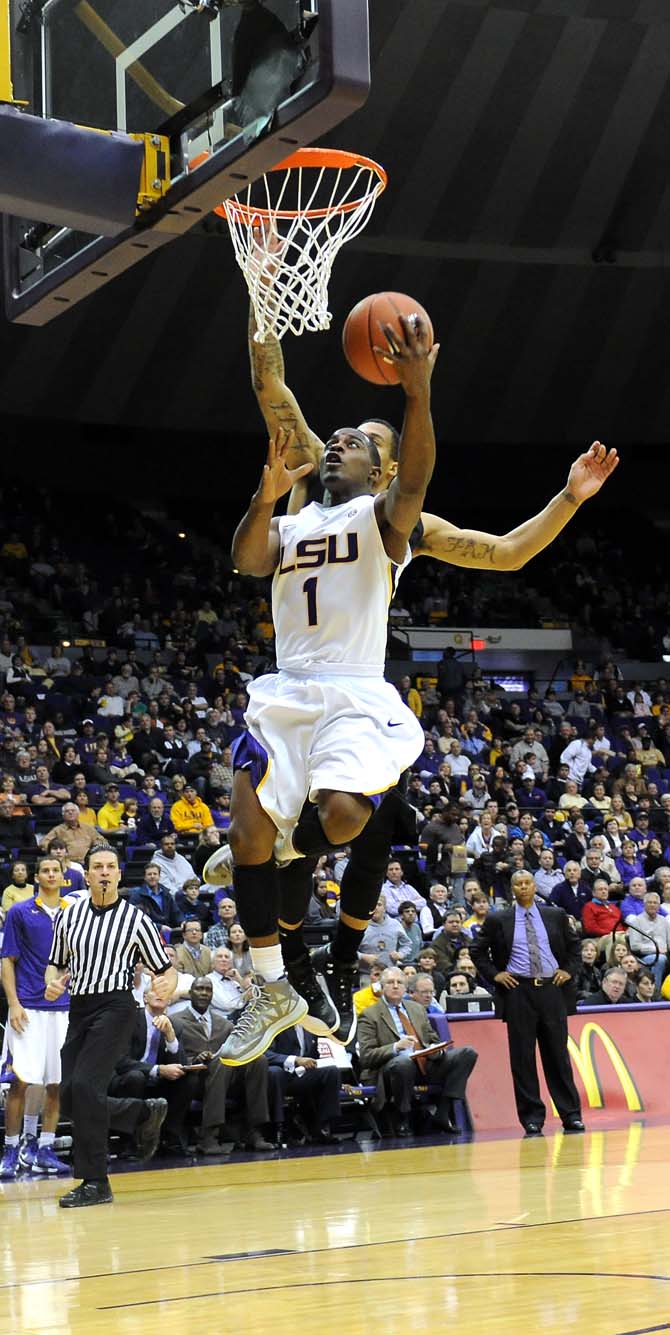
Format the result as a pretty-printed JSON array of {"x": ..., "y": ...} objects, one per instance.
[{"x": 309, "y": 589}]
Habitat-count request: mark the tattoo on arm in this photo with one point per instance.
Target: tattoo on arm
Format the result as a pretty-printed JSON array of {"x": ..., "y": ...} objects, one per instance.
[
  {"x": 289, "y": 421},
  {"x": 470, "y": 548},
  {"x": 568, "y": 496},
  {"x": 267, "y": 358}
]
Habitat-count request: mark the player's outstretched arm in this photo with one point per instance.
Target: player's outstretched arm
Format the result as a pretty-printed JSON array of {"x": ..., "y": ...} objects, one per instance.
[
  {"x": 510, "y": 551},
  {"x": 399, "y": 509},
  {"x": 255, "y": 548},
  {"x": 279, "y": 406}
]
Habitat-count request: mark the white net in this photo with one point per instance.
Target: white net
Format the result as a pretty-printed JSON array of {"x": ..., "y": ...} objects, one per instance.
[{"x": 287, "y": 228}]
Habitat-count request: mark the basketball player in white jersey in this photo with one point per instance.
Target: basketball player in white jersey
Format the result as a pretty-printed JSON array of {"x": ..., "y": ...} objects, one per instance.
[
  {"x": 392, "y": 821},
  {"x": 326, "y": 727}
]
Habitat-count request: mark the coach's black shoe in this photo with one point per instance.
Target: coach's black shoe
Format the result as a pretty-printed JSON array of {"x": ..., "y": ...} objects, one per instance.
[
  {"x": 87, "y": 1193},
  {"x": 574, "y": 1126},
  {"x": 322, "y": 1018},
  {"x": 340, "y": 979},
  {"x": 533, "y": 1129},
  {"x": 149, "y": 1131}
]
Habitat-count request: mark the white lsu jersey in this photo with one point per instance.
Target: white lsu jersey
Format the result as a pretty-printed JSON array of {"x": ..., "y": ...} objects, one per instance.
[{"x": 331, "y": 590}]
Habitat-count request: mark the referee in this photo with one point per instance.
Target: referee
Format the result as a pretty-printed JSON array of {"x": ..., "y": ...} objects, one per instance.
[{"x": 96, "y": 944}]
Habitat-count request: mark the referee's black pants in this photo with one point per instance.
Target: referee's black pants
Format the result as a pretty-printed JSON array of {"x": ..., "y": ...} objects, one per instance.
[
  {"x": 98, "y": 1035},
  {"x": 537, "y": 1015}
]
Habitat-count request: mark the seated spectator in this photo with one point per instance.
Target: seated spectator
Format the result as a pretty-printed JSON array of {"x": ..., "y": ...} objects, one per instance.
[
  {"x": 174, "y": 867},
  {"x": 600, "y": 918},
  {"x": 534, "y": 847},
  {"x": 384, "y": 938},
  {"x": 45, "y": 792},
  {"x": 645, "y": 990},
  {"x": 396, "y": 889},
  {"x": 432, "y": 916},
  {"x": 589, "y": 975},
  {"x": 368, "y": 995},
  {"x": 629, "y": 864},
  {"x": 324, "y": 898},
  {"x": 571, "y": 799},
  {"x": 569, "y": 894},
  {"x": 240, "y": 948},
  {"x": 86, "y": 814},
  {"x": 220, "y": 809},
  {"x": 613, "y": 836},
  {"x": 294, "y": 1071},
  {"x": 155, "y": 900},
  {"x": 591, "y": 868},
  {"x": 154, "y": 1067},
  {"x": 208, "y": 840},
  {"x": 633, "y": 968},
  {"x": 218, "y": 935},
  {"x": 422, "y": 990},
  {"x": 122, "y": 765},
  {"x": 63, "y": 772},
  {"x": 74, "y": 881},
  {"x": 388, "y": 1033},
  {"x": 449, "y": 940},
  {"x": 466, "y": 965},
  {"x": 612, "y": 990},
  {"x": 529, "y": 796},
  {"x": 202, "y": 1031},
  {"x": 190, "y": 814},
  {"x": 649, "y": 937},
  {"x": 577, "y": 840},
  {"x": 111, "y": 812},
  {"x": 481, "y": 907},
  {"x": 153, "y": 822},
  {"x": 427, "y": 964},
  {"x": 599, "y": 800},
  {"x": 229, "y": 988},
  {"x": 480, "y": 841},
  {"x": 130, "y": 816},
  {"x": 654, "y": 857},
  {"x": 99, "y": 770},
  {"x": 189, "y": 903},
  {"x": 77, "y": 838},
  {"x": 633, "y": 902},
  {"x": 407, "y": 918},
  {"x": 19, "y": 887},
  {"x": 548, "y": 876},
  {"x": 192, "y": 956}
]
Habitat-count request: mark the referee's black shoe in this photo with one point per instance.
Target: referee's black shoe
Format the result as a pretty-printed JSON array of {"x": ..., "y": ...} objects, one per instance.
[
  {"x": 148, "y": 1133},
  {"x": 87, "y": 1193}
]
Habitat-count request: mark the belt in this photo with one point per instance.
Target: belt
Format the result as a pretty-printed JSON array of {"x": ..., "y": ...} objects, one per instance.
[{"x": 535, "y": 982}]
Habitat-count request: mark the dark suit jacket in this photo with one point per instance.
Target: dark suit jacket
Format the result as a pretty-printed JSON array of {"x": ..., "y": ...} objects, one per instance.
[
  {"x": 287, "y": 1045},
  {"x": 138, "y": 1042},
  {"x": 492, "y": 946},
  {"x": 192, "y": 1036}
]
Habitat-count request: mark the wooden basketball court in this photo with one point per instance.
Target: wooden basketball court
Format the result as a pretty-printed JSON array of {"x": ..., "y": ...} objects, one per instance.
[{"x": 564, "y": 1233}]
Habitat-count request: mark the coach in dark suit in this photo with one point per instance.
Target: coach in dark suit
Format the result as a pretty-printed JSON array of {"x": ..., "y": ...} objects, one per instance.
[
  {"x": 387, "y": 1033},
  {"x": 293, "y": 1070},
  {"x": 531, "y": 954},
  {"x": 153, "y": 1067},
  {"x": 201, "y": 1032}
]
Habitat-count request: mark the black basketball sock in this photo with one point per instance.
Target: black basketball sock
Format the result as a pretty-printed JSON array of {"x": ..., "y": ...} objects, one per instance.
[
  {"x": 295, "y": 889},
  {"x": 257, "y": 899},
  {"x": 362, "y": 882}
]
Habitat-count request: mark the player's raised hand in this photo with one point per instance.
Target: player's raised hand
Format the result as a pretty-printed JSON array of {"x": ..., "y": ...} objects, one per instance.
[
  {"x": 590, "y": 470},
  {"x": 412, "y": 354},
  {"x": 277, "y": 479}
]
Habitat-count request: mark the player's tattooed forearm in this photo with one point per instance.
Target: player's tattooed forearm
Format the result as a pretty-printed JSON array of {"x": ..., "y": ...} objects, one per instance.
[
  {"x": 568, "y": 496},
  {"x": 471, "y": 549}
]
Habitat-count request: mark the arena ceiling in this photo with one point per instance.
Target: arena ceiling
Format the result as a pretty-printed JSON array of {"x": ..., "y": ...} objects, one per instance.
[{"x": 527, "y": 144}]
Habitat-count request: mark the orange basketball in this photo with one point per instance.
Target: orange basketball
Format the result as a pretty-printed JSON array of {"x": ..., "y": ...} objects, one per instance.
[{"x": 363, "y": 332}]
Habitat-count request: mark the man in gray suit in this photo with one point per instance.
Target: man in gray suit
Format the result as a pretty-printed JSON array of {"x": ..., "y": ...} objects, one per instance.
[
  {"x": 388, "y": 1033},
  {"x": 201, "y": 1032}
]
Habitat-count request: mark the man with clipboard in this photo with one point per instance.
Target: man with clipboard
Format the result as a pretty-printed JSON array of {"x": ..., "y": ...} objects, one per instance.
[{"x": 398, "y": 1049}]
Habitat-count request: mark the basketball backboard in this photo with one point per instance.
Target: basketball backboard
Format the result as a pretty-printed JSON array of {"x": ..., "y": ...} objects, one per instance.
[{"x": 223, "y": 93}]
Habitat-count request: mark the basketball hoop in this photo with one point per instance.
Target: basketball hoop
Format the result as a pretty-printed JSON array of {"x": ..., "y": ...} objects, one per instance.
[{"x": 288, "y": 226}]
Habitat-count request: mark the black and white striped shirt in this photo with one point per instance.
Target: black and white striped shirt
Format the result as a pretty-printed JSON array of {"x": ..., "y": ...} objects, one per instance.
[{"x": 101, "y": 946}]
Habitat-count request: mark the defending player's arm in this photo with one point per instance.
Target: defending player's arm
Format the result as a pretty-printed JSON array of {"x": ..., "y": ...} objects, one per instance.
[
  {"x": 511, "y": 551},
  {"x": 399, "y": 509},
  {"x": 17, "y": 1015},
  {"x": 255, "y": 548},
  {"x": 281, "y": 410}
]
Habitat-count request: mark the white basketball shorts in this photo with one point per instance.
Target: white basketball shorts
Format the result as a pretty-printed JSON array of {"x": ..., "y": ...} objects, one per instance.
[
  {"x": 36, "y": 1052},
  {"x": 349, "y": 734}
]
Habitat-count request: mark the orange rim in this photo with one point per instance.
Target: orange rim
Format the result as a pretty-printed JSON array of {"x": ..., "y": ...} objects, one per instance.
[{"x": 316, "y": 158}]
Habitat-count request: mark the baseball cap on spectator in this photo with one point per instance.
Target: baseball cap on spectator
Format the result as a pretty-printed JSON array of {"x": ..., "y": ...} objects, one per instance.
[
  {"x": 528, "y": 774},
  {"x": 87, "y": 720}
]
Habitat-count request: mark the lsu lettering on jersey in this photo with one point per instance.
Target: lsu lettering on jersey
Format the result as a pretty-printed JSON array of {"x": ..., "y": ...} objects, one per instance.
[{"x": 331, "y": 590}]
